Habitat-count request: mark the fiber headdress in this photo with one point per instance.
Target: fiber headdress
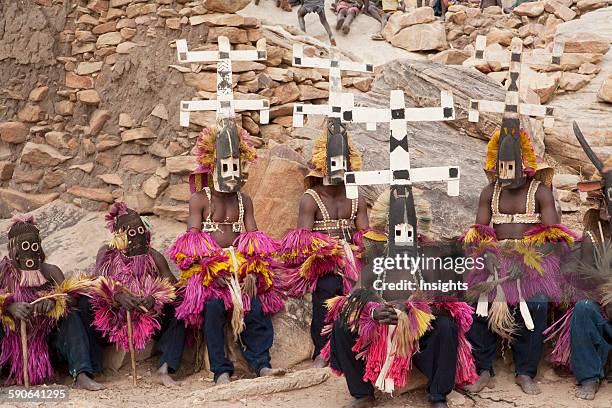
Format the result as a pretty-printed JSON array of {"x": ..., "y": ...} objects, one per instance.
[
  {"x": 206, "y": 156},
  {"x": 318, "y": 162},
  {"x": 379, "y": 215},
  {"x": 531, "y": 166}
]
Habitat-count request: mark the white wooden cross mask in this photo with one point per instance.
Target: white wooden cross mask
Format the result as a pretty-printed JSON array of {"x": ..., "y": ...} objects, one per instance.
[
  {"x": 400, "y": 176},
  {"x": 335, "y": 67},
  {"x": 512, "y": 105},
  {"x": 225, "y": 105}
]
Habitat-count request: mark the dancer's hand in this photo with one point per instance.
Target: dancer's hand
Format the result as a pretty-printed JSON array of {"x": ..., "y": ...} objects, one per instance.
[
  {"x": 126, "y": 301},
  {"x": 44, "y": 306},
  {"x": 221, "y": 282},
  {"x": 20, "y": 310},
  {"x": 385, "y": 314},
  {"x": 148, "y": 302}
]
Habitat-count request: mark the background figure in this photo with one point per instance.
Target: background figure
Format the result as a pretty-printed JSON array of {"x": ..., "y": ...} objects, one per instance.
[
  {"x": 347, "y": 11},
  {"x": 381, "y": 10},
  {"x": 283, "y": 4},
  {"x": 318, "y": 7}
]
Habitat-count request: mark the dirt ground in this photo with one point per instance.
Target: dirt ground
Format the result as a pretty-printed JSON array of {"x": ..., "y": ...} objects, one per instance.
[{"x": 557, "y": 392}]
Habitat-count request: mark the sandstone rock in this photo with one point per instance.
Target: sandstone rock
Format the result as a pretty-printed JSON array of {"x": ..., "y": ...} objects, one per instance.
[
  {"x": 31, "y": 176},
  {"x": 605, "y": 91},
  {"x": 179, "y": 192},
  {"x": 278, "y": 133},
  {"x": 458, "y": 18},
  {"x": 119, "y": 3},
  {"x": 111, "y": 178},
  {"x": 588, "y": 5},
  {"x": 22, "y": 202},
  {"x": 421, "y": 37},
  {"x": 227, "y": 20},
  {"x": 176, "y": 212},
  {"x": 87, "y": 19},
  {"x": 542, "y": 84},
  {"x": 154, "y": 186},
  {"x": 87, "y": 167},
  {"x": 86, "y": 68},
  {"x": 137, "y": 134},
  {"x": 572, "y": 82},
  {"x": 559, "y": 10},
  {"x": 245, "y": 66},
  {"x": 308, "y": 93},
  {"x": 126, "y": 23},
  {"x": 139, "y": 164},
  {"x": 285, "y": 121},
  {"x": 13, "y": 132},
  {"x": 105, "y": 142},
  {"x": 105, "y": 159},
  {"x": 589, "y": 69},
  {"x": 530, "y": 9},
  {"x": 363, "y": 84},
  {"x": 39, "y": 93},
  {"x": 106, "y": 39},
  {"x": 64, "y": 108},
  {"x": 73, "y": 80},
  {"x": 285, "y": 93},
  {"x": 235, "y": 35},
  {"x": 104, "y": 28},
  {"x": 125, "y": 120},
  {"x": 583, "y": 42},
  {"x": 160, "y": 111},
  {"x": 566, "y": 181},
  {"x": 181, "y": 164},
  {"x": 497, "y": 36},
  {"x": 94, "y": 194},
  {"x": 88, "y": 97},
  {"x": 31, "y": 113},
  {"x": 54, "y": 178},
  {"x": 225, "y": 6},
  {"x": 532, "y": 29},
  {"x": 451, "y": 57},
  {"x": 173, "y": 23},
  {"x": 125, "y": 47},
  {"x": 249, "y": 125},
  {"x": 162, "y": 172},
  {"x": 57, "y": 139},
  {"x": 400, "y": 20},
  {"x": 39, "y": 155},
  {"x": 6, "y": 170},
  {"x": 97, "y": 121}
]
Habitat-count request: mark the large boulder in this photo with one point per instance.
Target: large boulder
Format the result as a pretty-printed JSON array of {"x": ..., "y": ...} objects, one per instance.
[
  {"x": 421, "y": 37},
  {"x": 226, "y": 6}
]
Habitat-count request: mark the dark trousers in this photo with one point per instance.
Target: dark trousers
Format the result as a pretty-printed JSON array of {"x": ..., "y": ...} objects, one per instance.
[
  {"x": 68, "y": 343},
  {"x": 256, "y": 339},
  {"x": 527, "y": 345},
  {"x": 591, "y": 341},
  {"x": 437, "y": 359},
  {"x": 328, "y": 286},
  {"x": 170, "y": 338}
]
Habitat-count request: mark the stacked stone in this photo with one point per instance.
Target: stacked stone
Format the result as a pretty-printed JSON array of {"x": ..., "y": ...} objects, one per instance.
[{"x": 102, "y": 123}]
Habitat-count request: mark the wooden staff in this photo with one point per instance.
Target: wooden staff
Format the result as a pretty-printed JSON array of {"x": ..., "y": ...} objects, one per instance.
[
  {"x": 24, "y": 353},
  {"x": 131, "y": 344}
]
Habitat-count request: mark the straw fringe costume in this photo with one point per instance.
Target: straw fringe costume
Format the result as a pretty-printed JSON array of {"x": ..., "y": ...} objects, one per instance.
[
  {"x": 521, "y": 275},
  {"x": 242, "y": 281},
  {"x": 374, "y": 355},
  {"x": 317, "y": 262},
  {"x": 55, "y": 330}
]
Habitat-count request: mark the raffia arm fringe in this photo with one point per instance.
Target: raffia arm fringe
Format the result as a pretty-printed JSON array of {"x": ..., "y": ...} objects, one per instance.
[
  {"x": 7, "y": 320},
  {"x": 501, "y": 320}
]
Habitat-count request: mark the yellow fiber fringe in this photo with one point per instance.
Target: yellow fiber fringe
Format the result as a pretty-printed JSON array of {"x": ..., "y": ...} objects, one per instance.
[
  {"x": 531, "y": 257},
  {"x": 527, "y": 152},
  {"x": 331, "y": 302},
  {"x": 4, "y": 316},
  {"x": 319, "y": 155},
  {"x": 206, "y": 147},
  {"x": 376, "y": 236},
  {"x": 473, "y": 235},
  {"x": 73, "y": 285},
  {"x": 119, "y": 240},
  {"x": 551, "y": 234}
]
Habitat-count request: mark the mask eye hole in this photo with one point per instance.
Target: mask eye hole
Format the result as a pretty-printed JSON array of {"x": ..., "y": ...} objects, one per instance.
[
  {"x": 224, "y": 167},
  {"x": 25, "y": 245},
  {"x": 235, "y": 167},
  {"x": 35, "y": 247},
  {"x": 132, "y": 232},
  {"x": 141, "y": 230}
]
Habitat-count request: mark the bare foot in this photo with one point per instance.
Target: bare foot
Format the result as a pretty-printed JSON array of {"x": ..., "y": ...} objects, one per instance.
[
  {"x": 483, "y": 381},
  {"x": 162, "y": 377},
  {"x": 224, "y": 378},
  {"x": 319, "y": 362},
  {"x": 83, "y": 382},
  {"x": 346, "y": 29},
  {"x": 333, "y": 42},
  {"x": 364, "y": 402},
  {"x": 271, "y": 372},
  {"x": 527, "y": 384},
  {"x": 439, "y": 404},
  {"x": 339, "y": 23},
  {"x": 588, "y": 390}
]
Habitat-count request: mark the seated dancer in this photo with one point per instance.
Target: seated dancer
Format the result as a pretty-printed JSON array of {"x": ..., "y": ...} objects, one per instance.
[
  {"x": 318, "y": 252},
  {"x": 134, "y": 279},
  {"x": 398, "y": 328},
  {"x": 347, "y": 11},
  {"x": 522, "y": 252},
  {"x": 226, "y": 263},
  {"x": 318, "y": 7},
  {"x": 34, "y": 292},
  {"x": 381, "y": 10},
  {"x": 585, "y": 332}
]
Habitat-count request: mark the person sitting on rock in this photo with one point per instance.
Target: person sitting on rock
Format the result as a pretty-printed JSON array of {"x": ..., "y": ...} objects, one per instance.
[
  {"x": 134, "y": 278},
  {"x": 318, "y": 7},
  {"x": 283, "y": 4},
  {"x": 381, "y": 10},
  {"x": 347, "y": 11},
  {"x": 228, "y": 267},
  {"x": 34, "y": 292}
]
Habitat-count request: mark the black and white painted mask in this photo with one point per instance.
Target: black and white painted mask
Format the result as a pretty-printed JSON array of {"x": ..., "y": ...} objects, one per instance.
[
  {"x": 509, "y": 160},
  {"x": 28, "y": 251},
  {"x": 337, "y": 152},
  {"x": 227, "y": 175}
]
